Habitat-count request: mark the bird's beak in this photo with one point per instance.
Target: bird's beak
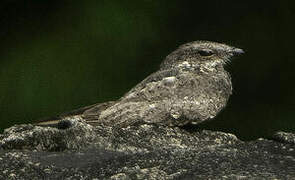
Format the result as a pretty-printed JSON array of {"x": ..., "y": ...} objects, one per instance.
[{"x": 237, "y": 51}]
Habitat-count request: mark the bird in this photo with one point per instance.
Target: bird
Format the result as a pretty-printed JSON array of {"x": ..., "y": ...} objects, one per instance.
[{"x": 191, "y": 86}]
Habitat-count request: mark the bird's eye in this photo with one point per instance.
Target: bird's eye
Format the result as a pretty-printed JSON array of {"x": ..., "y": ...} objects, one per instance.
[{"x": 205, "y": 52}]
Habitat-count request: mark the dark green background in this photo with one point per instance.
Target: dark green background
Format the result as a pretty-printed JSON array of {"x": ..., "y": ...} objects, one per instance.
[{"x": 58, "y": 55}]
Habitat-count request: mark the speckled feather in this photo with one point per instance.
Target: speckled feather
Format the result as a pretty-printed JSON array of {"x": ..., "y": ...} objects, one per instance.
[{"x": 191, "y": 86}]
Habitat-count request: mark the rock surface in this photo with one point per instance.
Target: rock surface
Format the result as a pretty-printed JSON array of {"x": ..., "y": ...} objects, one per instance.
[{"x": 81, "y": 151}]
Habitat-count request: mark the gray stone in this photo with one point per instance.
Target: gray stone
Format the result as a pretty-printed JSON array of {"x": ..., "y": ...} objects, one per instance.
[{"x": 142, "y": 151}]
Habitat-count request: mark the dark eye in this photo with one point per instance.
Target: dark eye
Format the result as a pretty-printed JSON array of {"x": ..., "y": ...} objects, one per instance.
[{"x": 205, "y": 52}]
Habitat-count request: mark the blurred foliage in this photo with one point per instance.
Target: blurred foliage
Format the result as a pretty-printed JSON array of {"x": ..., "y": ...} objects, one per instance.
[{"x": 56, "y": 56}]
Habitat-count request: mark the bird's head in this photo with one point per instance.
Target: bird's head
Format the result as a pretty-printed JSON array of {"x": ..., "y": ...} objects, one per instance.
[{"x": 202, "y": 52}]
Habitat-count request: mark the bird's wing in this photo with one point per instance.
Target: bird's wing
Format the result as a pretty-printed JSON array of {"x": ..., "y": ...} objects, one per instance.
[
  {"x": 91, "y": 116},
  {"x": 154, "y": 77}
]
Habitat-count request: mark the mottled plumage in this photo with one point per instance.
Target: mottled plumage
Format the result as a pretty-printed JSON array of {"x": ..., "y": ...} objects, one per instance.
[{"x": 191, "y": 86}]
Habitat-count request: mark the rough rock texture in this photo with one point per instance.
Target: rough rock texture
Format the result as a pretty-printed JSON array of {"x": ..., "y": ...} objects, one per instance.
[
  {"x": 81, "y": 151},
  {"x": 284, "y": 137}
]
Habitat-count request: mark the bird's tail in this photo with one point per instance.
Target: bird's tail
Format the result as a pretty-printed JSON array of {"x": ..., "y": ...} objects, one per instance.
[{"x": 88, "y": 113}]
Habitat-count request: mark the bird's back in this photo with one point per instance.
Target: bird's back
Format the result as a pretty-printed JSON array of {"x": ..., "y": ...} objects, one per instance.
[{"x": 178, "y": 97}]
